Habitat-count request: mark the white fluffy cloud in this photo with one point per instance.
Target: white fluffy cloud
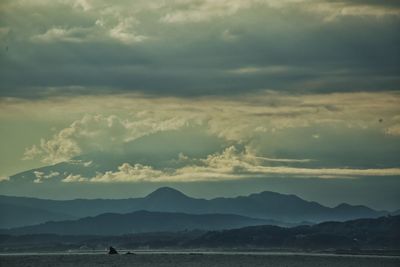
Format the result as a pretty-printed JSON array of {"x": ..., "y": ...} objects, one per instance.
[
  {"x": 71, "y": 178},
  {"x": 198, "y": 11},
  {"x": 238, "y": 121},
  {"x": 393, "y": 130},
  {"x": 394, "y": 126},
  {"x": 120, "y": 21},
  {"x": 126, "y": 172},
  {"x": 41, "y": 176},
  {"x": 4, "y": 178},
  {"x": 123, "y": 31},
  {"x": 231, "y": 164},
  {"x": 98, "y": 133},
  {"x": 59, "y": 34}
]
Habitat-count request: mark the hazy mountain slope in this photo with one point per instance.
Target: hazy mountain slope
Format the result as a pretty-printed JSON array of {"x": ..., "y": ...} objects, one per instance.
[
  {"x": 138, "y": 222},
  {"x": 15, "y": 216},
  {"x": 76, "y": 207}
]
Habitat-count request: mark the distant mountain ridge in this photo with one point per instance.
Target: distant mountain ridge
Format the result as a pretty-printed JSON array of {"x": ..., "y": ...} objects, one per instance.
[
  {"x": 15, "y": 215},
  {"x": 264, "y": 205},
  {"x": 138, "y": 222}
]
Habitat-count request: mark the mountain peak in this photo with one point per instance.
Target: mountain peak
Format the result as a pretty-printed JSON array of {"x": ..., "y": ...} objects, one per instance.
[
  {"x": 345, "y": 206},
  {"x": 274, "y": 195},
  {"x": 166, "y": 192}
]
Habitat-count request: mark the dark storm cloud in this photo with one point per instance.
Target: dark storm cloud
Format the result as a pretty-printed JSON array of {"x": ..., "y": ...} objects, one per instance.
[{"x": 255, "y": 49}]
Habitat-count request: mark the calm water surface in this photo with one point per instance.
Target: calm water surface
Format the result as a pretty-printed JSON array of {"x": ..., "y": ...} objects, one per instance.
[{"x": 195, "y": 259}]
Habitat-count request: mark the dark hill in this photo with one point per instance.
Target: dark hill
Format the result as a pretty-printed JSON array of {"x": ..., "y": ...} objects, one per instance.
[
  {"x": 381, "y": 236},
  {"x": 380, "y": 233}
]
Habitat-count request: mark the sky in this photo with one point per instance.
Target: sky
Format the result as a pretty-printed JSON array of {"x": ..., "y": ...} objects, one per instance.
[{"x": 215, "y": 98}]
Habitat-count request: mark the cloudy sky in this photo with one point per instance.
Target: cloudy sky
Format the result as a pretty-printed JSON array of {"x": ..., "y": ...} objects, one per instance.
[{"x": 214, "y": 97}]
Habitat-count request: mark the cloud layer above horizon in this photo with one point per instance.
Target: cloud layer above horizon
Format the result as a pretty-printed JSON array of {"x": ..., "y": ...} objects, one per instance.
[{"x": 268, "y": 134}]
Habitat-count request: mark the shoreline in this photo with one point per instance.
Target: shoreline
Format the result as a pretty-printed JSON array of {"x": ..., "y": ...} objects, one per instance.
[{"x": 205, "y": 252}]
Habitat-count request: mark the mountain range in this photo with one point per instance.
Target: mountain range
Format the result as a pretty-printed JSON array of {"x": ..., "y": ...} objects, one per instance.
[
  {"x": 138, "y": 222},
  {"x": 276, "y": 207}
]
